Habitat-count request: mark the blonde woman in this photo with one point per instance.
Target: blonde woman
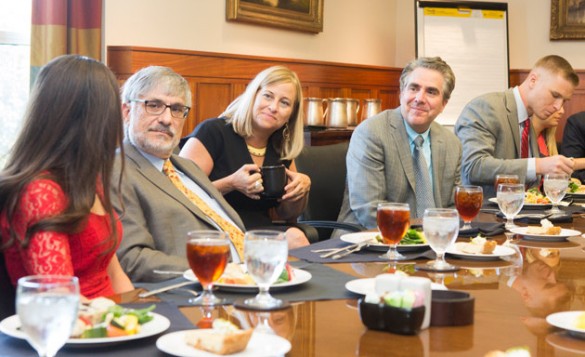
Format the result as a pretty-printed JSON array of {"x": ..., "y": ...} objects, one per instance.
[
  {"x": 545, "y": 130},
  {"x": 262, "y": 127}
]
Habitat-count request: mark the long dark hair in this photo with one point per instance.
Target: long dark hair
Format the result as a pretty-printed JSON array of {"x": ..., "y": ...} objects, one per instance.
[{"x": 72, "y": 127}]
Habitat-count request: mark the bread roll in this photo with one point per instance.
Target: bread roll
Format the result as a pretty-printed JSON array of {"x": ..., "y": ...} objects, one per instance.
[
  {"x": 549, "y": 231},
  {"x": 223, "y": 339}
]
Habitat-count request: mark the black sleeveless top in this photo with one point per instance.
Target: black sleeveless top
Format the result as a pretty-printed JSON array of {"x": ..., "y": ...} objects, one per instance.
[{"x": 229, "y": 152}]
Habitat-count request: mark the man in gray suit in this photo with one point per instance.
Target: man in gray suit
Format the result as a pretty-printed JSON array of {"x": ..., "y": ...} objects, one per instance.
[
  {"x": 380, "y": 159},
  {"x": 490, "y": 127},
  {"x": 156, "y": 216}
]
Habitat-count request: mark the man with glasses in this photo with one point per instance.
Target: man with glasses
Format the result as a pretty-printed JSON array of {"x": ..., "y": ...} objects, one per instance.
[{"x": 157, "y": 211}]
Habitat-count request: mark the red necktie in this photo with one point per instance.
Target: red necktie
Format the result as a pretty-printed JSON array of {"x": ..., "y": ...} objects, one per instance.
[{"x": 525, "y": 139}]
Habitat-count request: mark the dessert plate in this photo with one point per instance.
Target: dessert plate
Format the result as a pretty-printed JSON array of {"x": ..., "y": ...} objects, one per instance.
[
  {"x": 368, "y": 285},
  {"x": 260, "y": 345},
  {"x": 300, "y": 276},
  {"x": 565, "y": 233},
  {"x": 499, "y": 252},
  {"x": 533, "y": 205},
  {"x": 567, "y": 320},
  {"x": 356, "y": 238},
  {"x": 11, "y": 327}
]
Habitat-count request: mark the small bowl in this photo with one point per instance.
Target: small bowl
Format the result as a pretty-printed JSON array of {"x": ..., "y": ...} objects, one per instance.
[
  {"x": 452, "y": 308},
  {"x": 391, "y": 319}
]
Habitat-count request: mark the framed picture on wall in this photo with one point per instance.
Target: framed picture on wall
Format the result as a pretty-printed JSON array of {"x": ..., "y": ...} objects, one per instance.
[
  {"x": 298, "y": 15},
  {"x": 567, "y": 20}
]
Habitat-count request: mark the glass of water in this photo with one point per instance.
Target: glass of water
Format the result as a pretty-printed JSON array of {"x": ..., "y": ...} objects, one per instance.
[
  {"x": 510, "y": 200},
  {"x": 47, "y": 308},
  {"x": 265, "y": 254},
  {"x": 555, "y": 188},
  {"x": 441, "y": 227}
]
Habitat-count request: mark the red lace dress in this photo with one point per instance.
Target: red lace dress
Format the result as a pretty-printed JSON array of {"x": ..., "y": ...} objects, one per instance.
[{"x": 81, "y": 254}]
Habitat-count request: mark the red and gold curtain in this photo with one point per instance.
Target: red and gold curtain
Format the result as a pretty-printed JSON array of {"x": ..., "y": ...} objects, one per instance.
[{"x": 64, "y": 26}]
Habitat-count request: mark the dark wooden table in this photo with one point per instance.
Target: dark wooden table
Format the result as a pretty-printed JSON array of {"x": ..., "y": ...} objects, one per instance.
[{"x": 505, "y": 316}]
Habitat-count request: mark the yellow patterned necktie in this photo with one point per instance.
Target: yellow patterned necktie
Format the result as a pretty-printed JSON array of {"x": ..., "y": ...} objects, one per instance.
[{"x": 236, "y": 235}]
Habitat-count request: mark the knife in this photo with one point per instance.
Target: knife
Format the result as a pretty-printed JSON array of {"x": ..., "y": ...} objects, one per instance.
[{"x": 166, "y": 288}]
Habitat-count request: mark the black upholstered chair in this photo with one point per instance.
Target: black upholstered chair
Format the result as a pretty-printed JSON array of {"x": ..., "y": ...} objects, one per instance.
[
  {"x": 8, "y": 292},
  {"x": 325, "y": 165}
]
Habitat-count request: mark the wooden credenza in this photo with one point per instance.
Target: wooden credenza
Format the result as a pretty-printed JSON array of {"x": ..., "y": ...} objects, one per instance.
[{"x": 327, "y": 136}]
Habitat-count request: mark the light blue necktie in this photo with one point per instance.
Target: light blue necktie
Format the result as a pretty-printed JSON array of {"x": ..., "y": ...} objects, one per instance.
[{"x": 424, "y": 187}]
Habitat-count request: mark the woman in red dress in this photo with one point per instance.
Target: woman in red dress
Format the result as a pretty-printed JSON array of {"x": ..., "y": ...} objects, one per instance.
[{"x": 56, "y": 216}]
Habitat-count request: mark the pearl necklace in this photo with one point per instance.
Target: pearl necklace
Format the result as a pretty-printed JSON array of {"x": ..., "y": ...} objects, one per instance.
[{"x": 260, "y": 152}]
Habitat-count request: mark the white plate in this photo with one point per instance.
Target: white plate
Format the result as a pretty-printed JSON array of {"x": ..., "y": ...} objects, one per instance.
[
  {"x": 379, "y": 247},
  {"x": 11, "y": 327},
  {"x": 567, "y": 321},
  {"x": 368, "y": 285},
  {"x": 565, "y": 233},
  {"x": 533, "y": 205},
  {"x": 260, "y": 345},
  {"x": 300, "y": 277},
  {"x": 499, "y": 251}
]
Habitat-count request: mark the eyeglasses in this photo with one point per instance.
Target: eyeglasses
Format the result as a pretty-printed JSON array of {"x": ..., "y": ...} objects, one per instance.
[{"x": 156, "y": 107}]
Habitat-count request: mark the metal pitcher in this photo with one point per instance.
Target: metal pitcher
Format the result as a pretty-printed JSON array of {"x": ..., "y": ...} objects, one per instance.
[
  {"x": 336, "y": 112},
  {"x": 314, "y": 115},
  {"x": 353, "y": 106},
  {"x": 371, "y": 107}
]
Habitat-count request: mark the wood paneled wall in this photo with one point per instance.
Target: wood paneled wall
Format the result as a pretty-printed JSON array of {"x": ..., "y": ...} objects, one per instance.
[{"x": 218, "y": 78}]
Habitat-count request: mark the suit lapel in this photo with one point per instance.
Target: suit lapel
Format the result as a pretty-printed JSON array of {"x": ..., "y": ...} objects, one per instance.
[
  {"x": 513, "y": 120},
  {"x": 438, "y": 156},
  {"x": 403, "y": 147},
  {"x": 158, "y": 179},
  {"x": 534, "y": 149}
]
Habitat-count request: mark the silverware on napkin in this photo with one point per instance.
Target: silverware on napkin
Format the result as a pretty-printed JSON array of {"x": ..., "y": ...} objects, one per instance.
[
  {"x": 162, "y": 290},
  {"x": 349, "y": 251},
  {"x": 338, "y": 250}
]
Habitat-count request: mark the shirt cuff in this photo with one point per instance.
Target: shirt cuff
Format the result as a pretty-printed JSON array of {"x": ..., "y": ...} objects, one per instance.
[{"x": 531, "y": 170}]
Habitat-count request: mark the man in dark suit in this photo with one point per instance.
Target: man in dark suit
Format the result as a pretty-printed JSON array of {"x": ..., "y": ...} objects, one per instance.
[
  {"x": 490, "y": 127},
  {"x": 381, "y": 155},
  {"x": 573, "y": 144},
  {"x": 155, "y": 214}
]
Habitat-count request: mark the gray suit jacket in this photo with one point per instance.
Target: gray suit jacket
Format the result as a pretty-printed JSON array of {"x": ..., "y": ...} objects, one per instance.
[
  {"x": 157, "y": 216},
  {"x": 379, "y": 167},
  {"x": 488, "y": 128}
]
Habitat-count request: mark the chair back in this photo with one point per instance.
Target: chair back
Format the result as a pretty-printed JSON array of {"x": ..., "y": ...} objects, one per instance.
[
  {"x": 325, "y": 165},
  {"x": 8, "y": 295}
]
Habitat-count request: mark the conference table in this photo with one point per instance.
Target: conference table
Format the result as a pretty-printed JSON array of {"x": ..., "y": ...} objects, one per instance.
[{"x": 512, "y": 298}]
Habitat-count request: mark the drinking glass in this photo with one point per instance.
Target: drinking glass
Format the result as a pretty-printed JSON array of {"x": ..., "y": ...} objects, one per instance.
[
  {"x": 468, "y": 200},
  {"x": 47, "y": 308},
  {"x": 505, "y": 178},
  {"x": 510, "y": 200},
  {"x": 393, "y": 222},
  {"x": 265, "y": 254},
  {"x": 555, "y": 188},
  {"x": 441, "y": 227},
  {"x": 208, "y": 253}
]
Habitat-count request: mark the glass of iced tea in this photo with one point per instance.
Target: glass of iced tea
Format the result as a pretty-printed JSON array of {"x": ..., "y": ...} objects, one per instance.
[
  {"x": 393, "y": 222},
  {"x": 468, "y": 200},
  {"x": 208, "y": 253},
  {"x": 505, "y": 178}
]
